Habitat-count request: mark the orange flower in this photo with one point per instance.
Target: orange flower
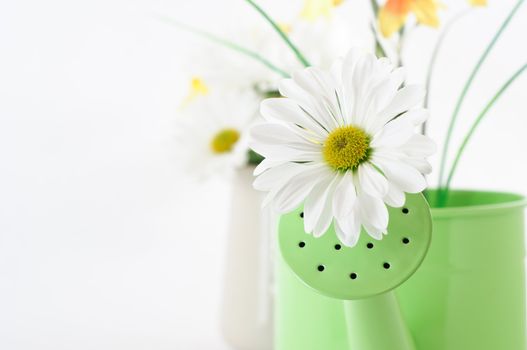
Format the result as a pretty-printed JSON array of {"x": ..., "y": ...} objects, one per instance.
[{"x": 394, "y": 13}]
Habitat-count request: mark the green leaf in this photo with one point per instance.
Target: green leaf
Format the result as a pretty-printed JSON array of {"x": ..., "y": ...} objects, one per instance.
[
  {"x": 227, "y": 44},
  {"x": 467, "y": 86},
  {"x": 255, "y": 158},
  {"x": 443, "y": 192}
]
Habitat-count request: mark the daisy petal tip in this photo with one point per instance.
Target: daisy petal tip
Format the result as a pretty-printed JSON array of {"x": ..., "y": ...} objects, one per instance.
[
  {"x": 350, "y": 242},
  {"x": 265, "y": 105}
]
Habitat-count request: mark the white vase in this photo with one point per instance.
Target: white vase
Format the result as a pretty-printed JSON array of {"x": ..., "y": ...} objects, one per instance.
[{"x": 247, "y": 307}]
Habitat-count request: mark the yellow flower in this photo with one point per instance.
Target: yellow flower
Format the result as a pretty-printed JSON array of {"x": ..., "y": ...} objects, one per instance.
[
  {"x": 394, "y": 13},
  {"x": 197, "y": 88},
  {"x": 478, "y": 2},
  {"x": 313, "y": 9},
  {"x": 285, "y": 27}
]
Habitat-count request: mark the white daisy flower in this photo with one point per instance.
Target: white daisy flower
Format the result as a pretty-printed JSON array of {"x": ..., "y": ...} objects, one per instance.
[
  {"x": 343, "y": 141},
  {"x": 212, "y": 132}
]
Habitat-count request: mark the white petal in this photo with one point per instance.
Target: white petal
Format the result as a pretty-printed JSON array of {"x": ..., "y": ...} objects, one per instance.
[
  {"x": 361, "y": 75},
  {"x": 395, "y": 197},
  {"x": 372, "y": 181},
  {"x": 419, "y": 146},
  {"x": 289, "y": 196},
  {"x": 315, "y": 204},
  {"x": 265, "y": 165},
  {"x": 344, "y": 197},
  {"x": 286, "y": 154},
  {"x": 373, "y": 215},
  {"x": 405, "y": 99},
  {"x": 287, "y": 110},
  {"x": 348, "y": 67},
  {"x": 350, "y": 60},
  {"x": 348, "y": 229},
  {"x": 394, "y": 134},
  {"x": 404, "y": 176},
  {"x": 422, "y": 165},
  {"x": 375, "y": 232},
  {"x": 326, "y": 215},
  {"x": 319, "y": 84},
  {"x": 397, "y": 77},
  {"x": 309, "y": 104},
  {"x": 378, "y": 98},
  {"x": 279, "y": 134},
  {"x": 277, "y": 175},
  {"x": 417, "y": 116}
]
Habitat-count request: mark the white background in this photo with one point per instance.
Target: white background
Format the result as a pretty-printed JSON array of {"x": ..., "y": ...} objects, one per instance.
[{"x": 104, "y": 244}]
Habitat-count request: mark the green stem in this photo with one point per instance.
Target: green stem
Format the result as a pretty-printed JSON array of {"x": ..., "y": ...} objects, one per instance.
[
  {"x": 379, "y": 49},
  {"x": 433, "y": 60},
  {"x": 284, "y": 37},
  {"x": 375, "y": 7},
  {"x": 400, "y": 46},
  {"x": 227, "y": 44},
  {"x": 443, "y": 194},
  {"x": 467, "y": 87}
]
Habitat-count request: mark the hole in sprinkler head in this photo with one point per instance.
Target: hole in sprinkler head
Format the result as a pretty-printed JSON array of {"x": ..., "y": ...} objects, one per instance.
[
  {"x": 353, "y": 275},
  {"x": 386, "y": 265},
  {"x": 369, "y": 245},
  {"x": 338, "y": 246},
  {"x": 320, "y": 268},
  {"x": 406, "y": 240},
  {"x": 406, "y": 210},
  {"x": 302, "y": 215},
  {"x": 302, "y": 244}
]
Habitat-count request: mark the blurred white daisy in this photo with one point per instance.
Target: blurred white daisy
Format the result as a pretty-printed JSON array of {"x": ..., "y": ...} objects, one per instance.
[
  {"x": 343, "y": 141},
  {"x": 212, "y": 132},
  {"x": 327, "y": 29},
  {"x": 323, "y": 30}
]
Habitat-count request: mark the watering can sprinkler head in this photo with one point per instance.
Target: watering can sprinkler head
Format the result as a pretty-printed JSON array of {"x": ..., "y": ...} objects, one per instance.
[
  {"x": 368, "y": 269},
  {"x": 365, "y": 275}
]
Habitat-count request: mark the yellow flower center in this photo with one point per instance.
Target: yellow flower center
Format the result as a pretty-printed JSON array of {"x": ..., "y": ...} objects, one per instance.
[
  {"x": 346, "y": 148},
  {"x": 197, "y": 88},
  {"x": 224, "y": 141}
]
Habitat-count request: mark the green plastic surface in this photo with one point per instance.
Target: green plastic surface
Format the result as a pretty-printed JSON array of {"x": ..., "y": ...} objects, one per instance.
[
  {"x": 376, "y": 323},
  {"x": 469, "y": 293},
  {"x": 371, "y": 267}
]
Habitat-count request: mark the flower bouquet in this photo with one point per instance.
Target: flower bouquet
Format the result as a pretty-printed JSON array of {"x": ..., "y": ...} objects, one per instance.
[{"x": 341, "y": 151}]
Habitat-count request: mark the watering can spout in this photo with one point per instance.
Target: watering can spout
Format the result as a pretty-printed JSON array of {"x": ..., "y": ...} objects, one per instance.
[{"x": 376, "y": 323}]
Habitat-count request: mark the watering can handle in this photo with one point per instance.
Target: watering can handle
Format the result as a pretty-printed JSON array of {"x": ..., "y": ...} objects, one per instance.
[{"x": 376, "y": 323}]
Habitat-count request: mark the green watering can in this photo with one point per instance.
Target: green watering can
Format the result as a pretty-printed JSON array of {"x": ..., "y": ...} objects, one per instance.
[{"x": 359, "y": 281}]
